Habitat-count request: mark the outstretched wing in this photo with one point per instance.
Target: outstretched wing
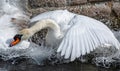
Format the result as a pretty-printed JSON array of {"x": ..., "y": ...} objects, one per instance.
[{"x": 84, "y": 36}]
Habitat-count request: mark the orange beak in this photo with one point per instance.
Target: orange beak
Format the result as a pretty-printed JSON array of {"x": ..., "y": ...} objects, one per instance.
[{"x": 14, "y": 42}]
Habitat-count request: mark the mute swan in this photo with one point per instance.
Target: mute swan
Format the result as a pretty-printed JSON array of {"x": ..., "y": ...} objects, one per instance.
[{"x": 74, "y": 35}]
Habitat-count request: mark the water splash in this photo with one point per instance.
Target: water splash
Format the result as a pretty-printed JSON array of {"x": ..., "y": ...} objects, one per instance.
[{"x": 108, "y": 57}]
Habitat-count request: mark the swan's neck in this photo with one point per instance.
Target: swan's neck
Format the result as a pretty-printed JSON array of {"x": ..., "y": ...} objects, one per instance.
[{"x": 46, "y": 23}]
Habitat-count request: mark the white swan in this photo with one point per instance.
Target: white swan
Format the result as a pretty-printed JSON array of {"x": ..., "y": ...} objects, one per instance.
[{"x": 74, "y": 35}]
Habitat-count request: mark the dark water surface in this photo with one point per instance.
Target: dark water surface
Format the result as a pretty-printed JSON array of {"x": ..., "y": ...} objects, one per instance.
[{"x": 76, "y": 66}]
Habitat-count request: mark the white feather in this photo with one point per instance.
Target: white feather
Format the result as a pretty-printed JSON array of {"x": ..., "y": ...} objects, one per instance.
[
  {"x": 73, "y": 55},
  {"x": 77, "y": 45},
  {"x": 69, "y": 49},
  {"x": 64, "y": 47}
]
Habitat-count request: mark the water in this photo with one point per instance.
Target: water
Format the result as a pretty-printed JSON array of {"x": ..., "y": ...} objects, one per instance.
[
  {"x": 75, "y": 66},
  {"x": 42, "y": 58}
]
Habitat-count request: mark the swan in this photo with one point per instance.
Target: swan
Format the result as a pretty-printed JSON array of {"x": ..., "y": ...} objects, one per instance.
[{"x": 73, "y": 35}]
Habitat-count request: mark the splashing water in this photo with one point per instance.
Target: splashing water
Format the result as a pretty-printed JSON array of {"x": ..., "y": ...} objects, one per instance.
[
  {"x": 109, "y": 57},
  {"x": 102, "y": 57},
  {"x": 7, "y": 31}
]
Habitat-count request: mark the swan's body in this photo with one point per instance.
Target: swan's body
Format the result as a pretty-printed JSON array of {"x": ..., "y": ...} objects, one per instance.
[{"x": 74, "y": 35}]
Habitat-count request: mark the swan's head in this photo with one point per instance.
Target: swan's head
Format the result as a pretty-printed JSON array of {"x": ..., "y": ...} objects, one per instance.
[{"x": 22, "y": 35}]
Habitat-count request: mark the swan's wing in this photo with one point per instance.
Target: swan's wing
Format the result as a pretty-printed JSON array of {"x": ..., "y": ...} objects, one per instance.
[{"x": 84, "y": 36}]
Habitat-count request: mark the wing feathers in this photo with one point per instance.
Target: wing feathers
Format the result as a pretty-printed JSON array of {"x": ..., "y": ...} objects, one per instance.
[
  {"x": 74, "y": 50},
  {"x": 78, "y": 43},
  {"x": 89, "y": 42},
  {"x": 69, "y": 48},
  {"x": 84, "y": 36},
  {"x": 64, "y": 47},
  {"x": 83, "y": 46}
]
